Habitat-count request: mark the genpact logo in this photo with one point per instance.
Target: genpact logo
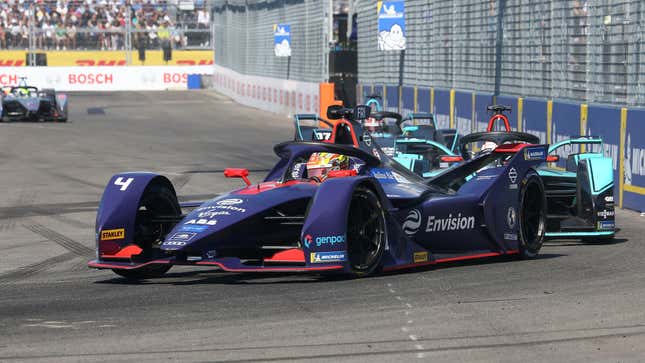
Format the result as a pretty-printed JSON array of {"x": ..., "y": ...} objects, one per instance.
[
  {"x": 329, "y": 240},
  {"x": 308, "y": 240}
]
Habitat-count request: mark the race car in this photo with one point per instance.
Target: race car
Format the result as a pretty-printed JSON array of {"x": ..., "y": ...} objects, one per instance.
[
  {"x": 580, "y": 200},
  {"x": 328, "y": 208},
  {"x": 580, "y": 197},
  {"x": 28, "y": 103}
]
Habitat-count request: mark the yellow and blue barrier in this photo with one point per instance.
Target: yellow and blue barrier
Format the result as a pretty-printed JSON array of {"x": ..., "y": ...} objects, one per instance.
[{"x": 622, "y": 129}]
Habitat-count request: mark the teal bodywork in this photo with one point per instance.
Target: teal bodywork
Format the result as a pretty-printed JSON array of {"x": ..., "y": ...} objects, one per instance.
[{"x": 588, "y": 176}]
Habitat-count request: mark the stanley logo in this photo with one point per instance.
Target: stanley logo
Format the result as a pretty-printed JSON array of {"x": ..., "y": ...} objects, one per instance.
[{"x": 110, "y": 234}]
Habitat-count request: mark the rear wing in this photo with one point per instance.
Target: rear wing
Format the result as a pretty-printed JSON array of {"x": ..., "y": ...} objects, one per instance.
[
  {"x": 418, "y": 116},
  {"x": 577, "y": 140},
  {"x": 523, "y": 157}
]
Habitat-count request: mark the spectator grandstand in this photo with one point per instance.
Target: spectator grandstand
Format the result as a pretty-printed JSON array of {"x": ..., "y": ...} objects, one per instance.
[{"x": 103, "y": 24}]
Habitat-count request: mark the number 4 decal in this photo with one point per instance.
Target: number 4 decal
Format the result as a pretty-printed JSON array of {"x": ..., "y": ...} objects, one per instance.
[{"x": 124, "y": 184}]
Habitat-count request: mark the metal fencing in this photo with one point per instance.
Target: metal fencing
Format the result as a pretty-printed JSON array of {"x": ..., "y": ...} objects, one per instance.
[
  {"x": 580, "y": 50},
  {"x": 244, "y": 42}
]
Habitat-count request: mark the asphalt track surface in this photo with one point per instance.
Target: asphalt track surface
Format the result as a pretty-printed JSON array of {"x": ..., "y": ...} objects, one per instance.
[{"x": 576, "y": 302}]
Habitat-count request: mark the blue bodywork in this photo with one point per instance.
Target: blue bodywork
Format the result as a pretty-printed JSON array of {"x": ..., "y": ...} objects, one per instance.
[{"x": 292, "y": 223}]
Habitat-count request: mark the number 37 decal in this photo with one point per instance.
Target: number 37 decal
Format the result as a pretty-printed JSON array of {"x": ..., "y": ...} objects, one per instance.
[{"x": 123, "y": 183}]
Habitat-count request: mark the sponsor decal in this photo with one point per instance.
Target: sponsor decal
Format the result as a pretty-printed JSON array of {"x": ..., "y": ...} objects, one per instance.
[
  {"x": 203, "y": 221},
  {"x": 112, "y": 234},
  {"x": 511, "y": 217},
  {"x": 230, "y": 207},
  {"x": 457, "y": 223},
  {"x": 367, "y": 139},
  {"x": 389, "y": 151},
  {"x": 324, "y": 257},
  {"x": 211, "y": 213},
  {"x": 329, "y": 240},
  {"x": 323, "y": 240},
  {"x": 174, "y": 243},
  {"x": 606, "y": 225},
  {"x": 606, "y": 213},
  {"x": 512, "y": 175},
  {"x": 534, "y": 153},
  {"x": 609, "y": 199},
  {"x": 420, "y": 257},
  {"x": 233, "y": 201},
  {"x": 483, "y": 177},
  {"x": 182, "y": 236},
  {"x": 308, "y": 240},
  {"x": 376, "y": 154},
  {"x": 296, "y": 171},
  {"x": 192, "y": 228},
  {"x": 412, "y": 222},
  {"x": 510, "y": 236},
  {"x": 400, "y": 178},
  {"x": 90, "y": 78}
]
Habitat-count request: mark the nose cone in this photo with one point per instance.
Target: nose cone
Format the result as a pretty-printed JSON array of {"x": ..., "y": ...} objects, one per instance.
[{"x": 210, "y": 218}]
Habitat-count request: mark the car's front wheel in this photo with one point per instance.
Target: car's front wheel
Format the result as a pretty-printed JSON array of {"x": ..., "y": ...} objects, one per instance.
[
  {"x": 366, "y": 232},
  {"x": 157, "y": 200},
  {"x": 532, "y": 216}
]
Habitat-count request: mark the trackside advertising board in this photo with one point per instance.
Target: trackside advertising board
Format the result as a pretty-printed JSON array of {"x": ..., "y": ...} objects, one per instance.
[
  {"x": 103, "y": 78},
  {"x": 391, "y": 25}
]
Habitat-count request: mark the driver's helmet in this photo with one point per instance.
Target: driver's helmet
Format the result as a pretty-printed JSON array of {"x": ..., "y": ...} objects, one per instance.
[
  {"x": 320, "y": 164},
  {"x": 373, "y": 125},
  {"x": 22, "y": 91}
]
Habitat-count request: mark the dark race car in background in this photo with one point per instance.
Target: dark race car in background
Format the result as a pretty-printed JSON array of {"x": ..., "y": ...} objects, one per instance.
[
  {"x": 28, "y": 103},
  {"x": 339, "y": 206}
]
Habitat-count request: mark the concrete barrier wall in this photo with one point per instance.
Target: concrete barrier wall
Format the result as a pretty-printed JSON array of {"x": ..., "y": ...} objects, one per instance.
[{"x": 271, "y": 94}]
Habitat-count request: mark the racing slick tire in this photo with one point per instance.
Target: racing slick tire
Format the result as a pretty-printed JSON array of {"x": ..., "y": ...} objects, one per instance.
[
  {"x": 157, "y": 200},
  {"x": 532, "y": 216},
  {"x": 366, "y": 232}
]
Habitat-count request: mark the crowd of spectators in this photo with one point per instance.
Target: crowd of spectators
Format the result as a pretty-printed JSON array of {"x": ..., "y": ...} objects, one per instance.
[{"x": 101, "y": 24}]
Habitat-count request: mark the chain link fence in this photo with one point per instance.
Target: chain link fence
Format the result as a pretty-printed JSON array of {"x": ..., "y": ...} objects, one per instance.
[
  {"x": 581, "y": 50},
  {"x": 243, "y": 34}
]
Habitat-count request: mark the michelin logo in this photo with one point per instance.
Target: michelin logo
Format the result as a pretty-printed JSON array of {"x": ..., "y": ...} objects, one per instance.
[{"x": 324, "y": 257}]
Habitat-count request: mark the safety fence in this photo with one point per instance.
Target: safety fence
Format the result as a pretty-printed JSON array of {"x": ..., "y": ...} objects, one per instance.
[
  {"x": 622, "y": 129},
  {"x": 245, "y": 37},
  {"x": 584, "y": 51}
]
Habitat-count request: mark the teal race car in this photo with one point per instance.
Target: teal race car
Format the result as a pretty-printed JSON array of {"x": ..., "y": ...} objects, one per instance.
[{"x": 580, "y": 195}]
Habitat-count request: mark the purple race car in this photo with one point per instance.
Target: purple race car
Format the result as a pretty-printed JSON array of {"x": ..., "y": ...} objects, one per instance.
[{"x": 329, "y": 207}]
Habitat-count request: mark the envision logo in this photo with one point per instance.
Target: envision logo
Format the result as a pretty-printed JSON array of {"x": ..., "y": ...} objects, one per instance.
[
  {"x": 412, "y": 222},
  {"x": 457, "y": 223}
]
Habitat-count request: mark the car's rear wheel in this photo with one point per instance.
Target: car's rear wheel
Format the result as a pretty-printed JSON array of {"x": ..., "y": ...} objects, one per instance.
[
  {"x": 366, "y": 232},
  {"x": 157, "y": 200},
  {"x": 532, "y": 216}
]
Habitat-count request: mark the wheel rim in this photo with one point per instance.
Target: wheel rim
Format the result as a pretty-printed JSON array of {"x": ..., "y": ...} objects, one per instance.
[
  {"x": 146, "y": 232},
  {"x": 532, "y": 216},
  {"x": 365, "y": 232}
]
